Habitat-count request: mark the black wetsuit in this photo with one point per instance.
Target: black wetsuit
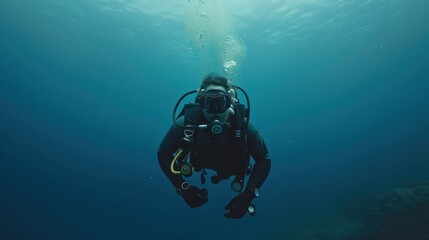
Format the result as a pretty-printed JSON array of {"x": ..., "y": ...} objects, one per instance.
[{"x": 216, "y": 152}]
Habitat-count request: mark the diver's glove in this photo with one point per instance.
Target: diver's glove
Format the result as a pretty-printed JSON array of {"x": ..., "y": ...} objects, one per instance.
[
  {"x": 239, "y": 205},
  {"x": 195, "y": 197}
]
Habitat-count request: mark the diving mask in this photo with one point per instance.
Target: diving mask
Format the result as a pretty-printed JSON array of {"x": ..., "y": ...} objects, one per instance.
[
  {"x": 216, "y": 106},
  {"x": 215, "y": 101}
]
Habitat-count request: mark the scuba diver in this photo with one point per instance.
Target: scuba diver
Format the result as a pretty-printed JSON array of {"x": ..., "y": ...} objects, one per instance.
[{"x": 215, "y": 133}]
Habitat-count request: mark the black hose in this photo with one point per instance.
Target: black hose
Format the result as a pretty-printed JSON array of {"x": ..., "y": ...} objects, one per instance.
[
  {"x": 248, "y": 106},
  {"x": 177, "y": 105}
]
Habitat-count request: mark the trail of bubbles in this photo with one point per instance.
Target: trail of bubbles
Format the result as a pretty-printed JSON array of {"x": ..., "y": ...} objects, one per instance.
[{"x": 216, "y": 46}]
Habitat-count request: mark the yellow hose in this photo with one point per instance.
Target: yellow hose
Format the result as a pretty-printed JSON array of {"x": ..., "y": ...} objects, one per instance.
[{"x": 174, "y": 160}]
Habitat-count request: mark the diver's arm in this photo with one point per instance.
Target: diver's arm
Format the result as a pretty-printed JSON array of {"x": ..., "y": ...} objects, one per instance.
[
  {"x": 193, "y": 196},
  {"x": 169, "y": 145},
  {"x": 259, "y": 152}
]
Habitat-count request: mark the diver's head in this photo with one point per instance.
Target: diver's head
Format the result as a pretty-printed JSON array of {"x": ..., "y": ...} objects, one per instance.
[{"x": 216, "y": 97}]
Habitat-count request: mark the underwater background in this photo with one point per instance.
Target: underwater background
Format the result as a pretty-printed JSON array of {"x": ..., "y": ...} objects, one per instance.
[{"x": 338, "y": 90}]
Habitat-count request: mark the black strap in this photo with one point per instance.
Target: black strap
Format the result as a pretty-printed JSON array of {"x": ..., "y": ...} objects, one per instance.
[{"x": 203, "y": 177}]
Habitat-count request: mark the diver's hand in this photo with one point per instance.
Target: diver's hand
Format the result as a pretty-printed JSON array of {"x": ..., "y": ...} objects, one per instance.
[
  {"x": 239, "y": 205},
  {"x": 195, "y": 197}
]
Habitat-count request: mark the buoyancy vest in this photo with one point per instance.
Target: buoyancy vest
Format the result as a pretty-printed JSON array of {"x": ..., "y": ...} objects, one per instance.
[{"x": 226, "y": 153}]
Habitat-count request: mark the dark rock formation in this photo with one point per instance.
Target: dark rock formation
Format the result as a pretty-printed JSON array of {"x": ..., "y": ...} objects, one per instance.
[{"x": 401, "y": 214}]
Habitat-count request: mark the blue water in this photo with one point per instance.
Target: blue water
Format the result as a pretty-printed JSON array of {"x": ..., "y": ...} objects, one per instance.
[{"x": 339, "y": 91}]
